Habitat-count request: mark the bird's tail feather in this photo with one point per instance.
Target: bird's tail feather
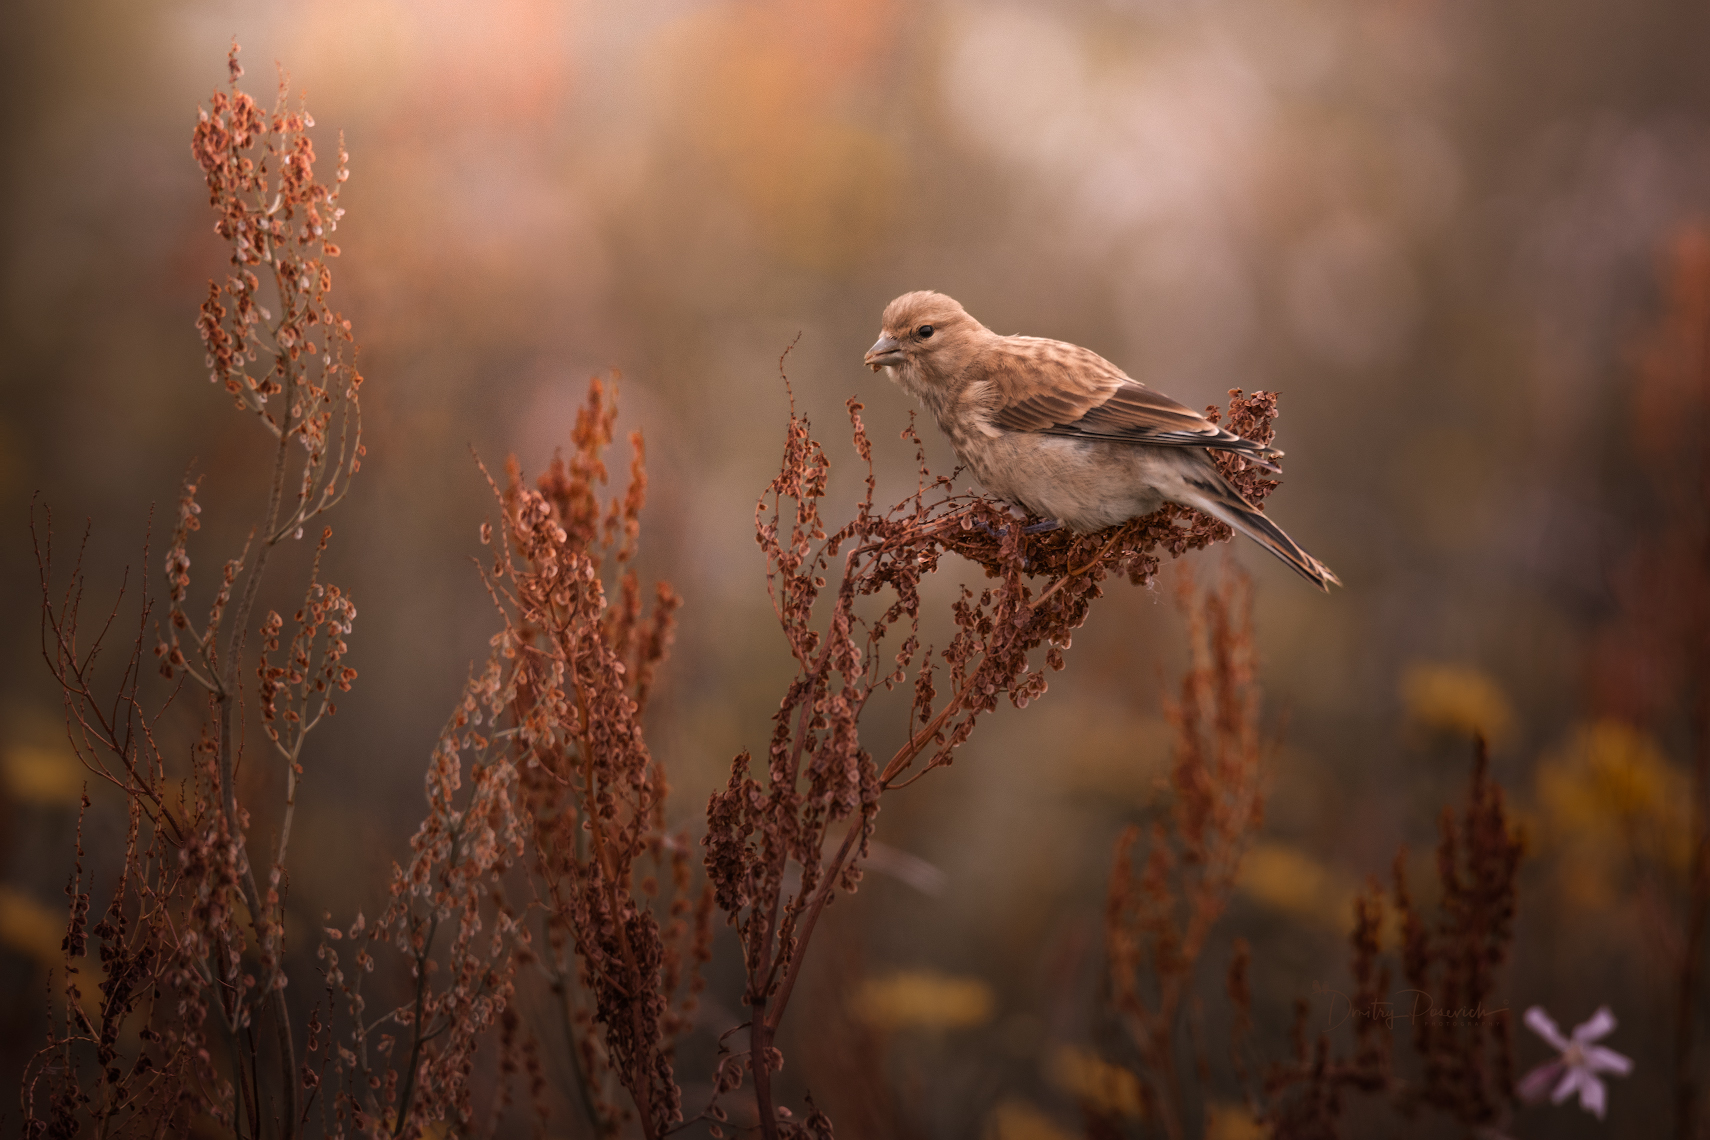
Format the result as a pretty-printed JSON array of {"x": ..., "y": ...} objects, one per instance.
[
  {"x": 1222, "y": 502},
  {"x": 1255, "y": 453}
]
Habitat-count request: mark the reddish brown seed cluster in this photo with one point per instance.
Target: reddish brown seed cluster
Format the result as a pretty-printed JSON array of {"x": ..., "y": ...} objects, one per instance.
[
  {"x": 278, "y": 220},
  {"x": 296, "y": 693}
]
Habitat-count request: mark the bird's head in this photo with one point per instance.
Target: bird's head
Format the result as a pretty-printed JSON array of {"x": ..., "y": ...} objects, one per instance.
[{"x": 920, "y": 335}]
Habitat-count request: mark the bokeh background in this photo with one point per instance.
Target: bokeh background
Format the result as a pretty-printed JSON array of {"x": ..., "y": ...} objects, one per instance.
[{"x": 1442, "y": 231}]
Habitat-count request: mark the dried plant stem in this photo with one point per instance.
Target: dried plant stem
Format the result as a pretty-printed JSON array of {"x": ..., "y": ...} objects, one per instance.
[
  {"x": 89, "y": 727},
  {"x": 642, "y": 1092},
  {"x": 260, "y": 917},
  {"x": 768, "y": 1012},
  {"x": 918, "y": 742},
  {"x": 828, "y": 885},
  {"x": 290, "y": 814},
  {"x": 240, "y": 1086},
  {"x": 419, "y": 1035},
  {"x": 816, "y": 905},
  {"x": 584, "y": 1087},
  {"x": 760, "y": 1051}
]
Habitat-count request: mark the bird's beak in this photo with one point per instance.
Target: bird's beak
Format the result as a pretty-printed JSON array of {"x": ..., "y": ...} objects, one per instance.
[{"x": 886, "y": 351}]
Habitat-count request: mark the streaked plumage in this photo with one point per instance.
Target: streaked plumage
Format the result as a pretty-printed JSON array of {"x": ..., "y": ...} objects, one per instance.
[{"x": 1063, "y": 432}]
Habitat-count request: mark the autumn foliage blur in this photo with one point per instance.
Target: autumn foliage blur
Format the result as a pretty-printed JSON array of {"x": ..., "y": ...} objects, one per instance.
[{"x": 545, "y": 958}]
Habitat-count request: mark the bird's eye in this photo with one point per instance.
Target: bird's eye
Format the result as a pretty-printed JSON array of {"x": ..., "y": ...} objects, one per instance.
[{"x": 924, "y": 331}]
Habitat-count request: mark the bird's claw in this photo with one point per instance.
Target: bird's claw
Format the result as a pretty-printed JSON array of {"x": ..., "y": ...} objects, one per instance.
[{"x": 1034, "y": 528}]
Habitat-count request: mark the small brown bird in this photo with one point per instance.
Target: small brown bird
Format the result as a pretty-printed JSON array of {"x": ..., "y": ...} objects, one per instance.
[{"x": 1064, "y": 433}]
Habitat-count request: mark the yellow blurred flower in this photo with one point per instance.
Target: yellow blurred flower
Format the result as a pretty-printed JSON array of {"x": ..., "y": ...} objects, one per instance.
[
  {"x": 43, "y": 774},
  {"x": 433, "y": 1130},
  {"x": 1089, "y": 1078},
  {"x": 37, "y": 931},
  {"x": 1609, "y": 772},
  {"x": 1286, "y": 878},
  {"x": 29, "y": 927},
  {"x": 1117, "y": 754},
  {"x": 1608, "y": 796},
  {"x": 1232, "y": 1122},
  {"x": 923, "y": 999},
  {"x": 1018, "y": 1120},
  {"x": 1456, "y": 699}
]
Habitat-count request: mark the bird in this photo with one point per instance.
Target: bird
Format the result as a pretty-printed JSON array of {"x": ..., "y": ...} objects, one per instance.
[{"x": 1063, "y": 433}]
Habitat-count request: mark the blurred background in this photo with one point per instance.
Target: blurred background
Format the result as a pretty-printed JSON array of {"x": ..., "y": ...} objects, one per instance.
[{"x": 1445, "y": 233}]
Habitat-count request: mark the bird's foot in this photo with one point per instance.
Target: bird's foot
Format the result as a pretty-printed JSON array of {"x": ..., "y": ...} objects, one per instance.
[{"x": 1044, "y": 527}]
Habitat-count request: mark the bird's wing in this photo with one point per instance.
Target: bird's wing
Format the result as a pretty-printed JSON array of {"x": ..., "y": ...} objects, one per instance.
[{"x": 1054, "y": 388}]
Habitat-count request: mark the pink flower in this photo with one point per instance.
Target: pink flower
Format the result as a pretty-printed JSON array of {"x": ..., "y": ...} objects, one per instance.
[{"x": 1578, "y": 1065}]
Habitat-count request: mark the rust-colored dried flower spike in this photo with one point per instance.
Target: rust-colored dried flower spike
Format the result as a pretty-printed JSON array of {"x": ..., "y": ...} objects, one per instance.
[
  {"x": 1450, "y": 961},
  {"x": 1157, "y": 922},
  {"x": 279, "y": 221},
  {"x": 543, "y": 768},
  {"x": 1469, "y": 1068}
]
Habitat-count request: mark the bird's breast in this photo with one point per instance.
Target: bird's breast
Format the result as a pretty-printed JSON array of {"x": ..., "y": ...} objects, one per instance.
[{"x": 1086, "y": 484}]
